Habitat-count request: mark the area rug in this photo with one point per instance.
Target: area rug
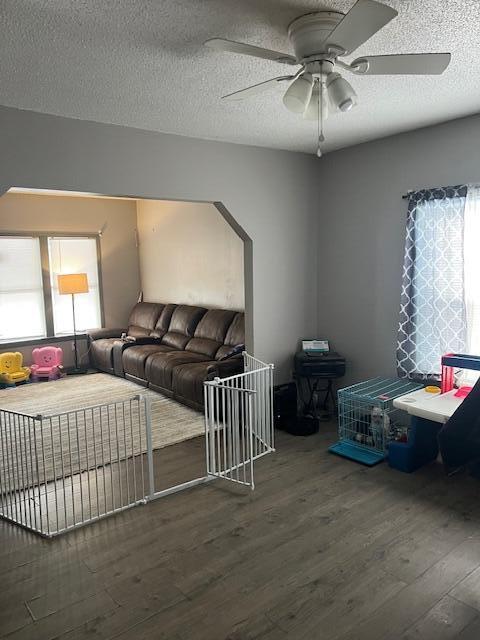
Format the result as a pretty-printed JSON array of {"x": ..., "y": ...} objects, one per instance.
[{"x": 75, "y": 439}]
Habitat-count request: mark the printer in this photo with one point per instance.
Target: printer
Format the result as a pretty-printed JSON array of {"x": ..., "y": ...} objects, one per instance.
[{"x": 318, "y": 364}]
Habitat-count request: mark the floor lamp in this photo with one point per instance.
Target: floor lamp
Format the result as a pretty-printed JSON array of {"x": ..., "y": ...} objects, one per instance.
[{"x": 70, "y": 284}]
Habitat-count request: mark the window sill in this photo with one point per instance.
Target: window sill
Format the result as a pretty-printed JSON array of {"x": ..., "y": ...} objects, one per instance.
[{"x": 7, "y": 344}]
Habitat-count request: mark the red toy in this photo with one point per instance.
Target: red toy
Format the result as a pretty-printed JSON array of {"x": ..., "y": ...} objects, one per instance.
[
  {"x": 452, "y": 361},
  {"x": 47, "y": 363},
  {"x": 463, "y": 392}
]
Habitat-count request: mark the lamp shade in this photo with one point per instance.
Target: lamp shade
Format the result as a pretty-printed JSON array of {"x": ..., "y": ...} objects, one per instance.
[
  {"x": 341, "y": 93},
  {"x": 69, "y": 283}
]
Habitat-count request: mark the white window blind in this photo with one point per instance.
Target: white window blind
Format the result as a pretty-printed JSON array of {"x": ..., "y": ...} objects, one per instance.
[
  {"x": 74, "y": 255},
  {"x": 21, "y": 291}
]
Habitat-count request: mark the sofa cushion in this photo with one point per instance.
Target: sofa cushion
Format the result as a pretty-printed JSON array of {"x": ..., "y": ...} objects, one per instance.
[
  {"x": 159, "y": 366},
  {"x": 143, "y": 318},
  {"x": 163, "y": 321},
  {"x": 182, "y": 326},
  {"x": 134, "y": 358},
  {"x": 235, "y": 336},
  {"x": 210, "y": 332},
  {"x": 188, "y": 379}
]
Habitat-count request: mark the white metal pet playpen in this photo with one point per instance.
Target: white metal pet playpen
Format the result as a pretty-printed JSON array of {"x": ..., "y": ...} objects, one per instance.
[{"x": 62, "y": 471}]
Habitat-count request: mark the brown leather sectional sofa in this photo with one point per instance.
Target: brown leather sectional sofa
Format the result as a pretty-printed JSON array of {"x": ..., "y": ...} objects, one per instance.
[{"x": 176, "y": 348}]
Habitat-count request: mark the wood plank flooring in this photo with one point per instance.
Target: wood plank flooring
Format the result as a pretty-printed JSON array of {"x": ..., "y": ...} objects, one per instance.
[{"x": 323, "y": 549}]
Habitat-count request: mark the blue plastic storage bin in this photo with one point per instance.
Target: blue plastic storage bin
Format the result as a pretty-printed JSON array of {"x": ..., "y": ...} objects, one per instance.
[{"x": 421, "y": 448}]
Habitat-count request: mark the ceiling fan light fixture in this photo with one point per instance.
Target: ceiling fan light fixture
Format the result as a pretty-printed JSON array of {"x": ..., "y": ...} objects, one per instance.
[
  {"x": 341, "y": 92},
  {"x": 299, "y": 93},
  {"x": 319, "y": 39}
]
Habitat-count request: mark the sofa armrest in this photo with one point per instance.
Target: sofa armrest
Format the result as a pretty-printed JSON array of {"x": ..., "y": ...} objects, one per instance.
[
  {"x": 225, "y": 368},
  {"x": 97, "y": 334}
]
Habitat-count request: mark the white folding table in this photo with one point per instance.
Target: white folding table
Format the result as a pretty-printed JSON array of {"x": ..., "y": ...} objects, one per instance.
[{"x": 437, "y": 407}]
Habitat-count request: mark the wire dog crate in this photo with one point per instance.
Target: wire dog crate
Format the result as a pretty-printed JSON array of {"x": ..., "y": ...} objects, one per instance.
[{"x": 367, "y": 419}]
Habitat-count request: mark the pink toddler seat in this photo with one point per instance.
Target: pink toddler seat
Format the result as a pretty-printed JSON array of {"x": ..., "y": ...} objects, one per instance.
[{"x": 46, "y": 362}]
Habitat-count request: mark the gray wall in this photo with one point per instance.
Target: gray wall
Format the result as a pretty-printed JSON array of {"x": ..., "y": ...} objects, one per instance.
[
  {"x": 361, "y": 232},
  {"x": 271, "y": 194}
]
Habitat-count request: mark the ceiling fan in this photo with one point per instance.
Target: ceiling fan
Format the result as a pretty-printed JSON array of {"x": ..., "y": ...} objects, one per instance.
[{"x": 319, "y": 40}]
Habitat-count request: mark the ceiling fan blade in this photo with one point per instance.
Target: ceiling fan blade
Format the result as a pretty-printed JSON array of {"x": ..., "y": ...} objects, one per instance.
[
  {"x": 256, "y": 88},
  {"x": 407, "y": 64},
  {"x": 220, "y": 44},
  {"x": 364, "y": 19}
]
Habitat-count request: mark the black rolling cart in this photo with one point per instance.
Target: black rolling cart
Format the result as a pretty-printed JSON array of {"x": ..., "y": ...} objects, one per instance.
[{"x": 314, "y": 373}]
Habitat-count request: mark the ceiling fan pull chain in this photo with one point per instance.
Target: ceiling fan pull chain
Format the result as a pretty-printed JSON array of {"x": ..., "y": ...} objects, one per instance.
[
  {"x": 321, "y": 137},
  {"x": 319, "y": 151}
]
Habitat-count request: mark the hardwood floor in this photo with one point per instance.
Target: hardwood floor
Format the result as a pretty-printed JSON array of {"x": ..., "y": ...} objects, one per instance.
[{"x": 322, "y": 549}]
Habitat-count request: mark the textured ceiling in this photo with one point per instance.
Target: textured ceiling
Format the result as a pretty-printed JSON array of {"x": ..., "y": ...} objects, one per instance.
[{"x": 141, "y": 63}]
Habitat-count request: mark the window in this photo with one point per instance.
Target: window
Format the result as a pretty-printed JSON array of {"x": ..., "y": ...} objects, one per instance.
[
  {"x": 440, "y": 307},
  {"x": 74, "y": 255},
  {"x": 30, "y": 304},
  {"x": 472, "y": 275},
  {"x": 21, "y": 291}
]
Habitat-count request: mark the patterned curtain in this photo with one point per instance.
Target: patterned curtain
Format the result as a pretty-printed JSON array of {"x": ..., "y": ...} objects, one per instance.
[{"x": 432, "y": 308}]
